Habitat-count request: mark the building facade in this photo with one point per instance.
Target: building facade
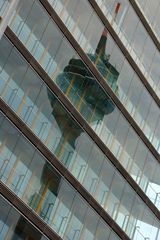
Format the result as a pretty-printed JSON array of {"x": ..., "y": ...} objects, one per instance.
[{"x": 79, "y": 119}]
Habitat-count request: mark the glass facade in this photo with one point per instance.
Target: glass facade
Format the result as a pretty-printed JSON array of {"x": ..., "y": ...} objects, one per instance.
[
  {"x": 39, "y": 41},
  {"x": 13, "y": 226},
  {"x": 41, "y": 111},
  {"x": 4, "y": 4},
  {"x": 28, "y": 96},
  {"x": 135, "y": 38},
  {"x": 29, "y": 174},
  {"x": 151, "y": 10}
]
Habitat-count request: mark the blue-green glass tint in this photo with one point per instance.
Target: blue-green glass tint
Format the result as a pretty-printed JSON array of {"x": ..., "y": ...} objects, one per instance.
[
  {"x": 14, "y": 226},
  {"x": 28, "y": 174},
  {"x": 39, "y": 108}
]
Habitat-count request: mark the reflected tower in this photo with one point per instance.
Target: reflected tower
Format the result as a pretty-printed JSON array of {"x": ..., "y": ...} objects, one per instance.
[{"x": 81, "y": 87}]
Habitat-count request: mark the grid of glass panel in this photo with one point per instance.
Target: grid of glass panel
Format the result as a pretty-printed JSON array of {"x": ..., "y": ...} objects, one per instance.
[
  {"x": 4, "y": 4},
  {"x": 42, "y": 42},
  {"x": 13, "y": 226},
  {"x": 34, "y": 103},
  {"x": 109, "y": 124},
  {"x": 151, "y": 10},
  {"x": 135, "y": 38},
  {"x": 44, "y": 190}
]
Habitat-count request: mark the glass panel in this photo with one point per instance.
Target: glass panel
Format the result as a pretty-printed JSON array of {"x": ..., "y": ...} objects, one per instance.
[
  {"x": 29, "y": 97},
  {"x": 4, "y": 4},
  {"x": 21, "y": 167},
  {"x": 13, "y": 226},
  {"x": 28, "y": 174},
  {"x": 133, "y": 35},
  {"x": 55, "y": 55},
  {"x": 151, "y": 12},
  {"x": 21, "y": 164},
  {"x": 41, "y": 111}
]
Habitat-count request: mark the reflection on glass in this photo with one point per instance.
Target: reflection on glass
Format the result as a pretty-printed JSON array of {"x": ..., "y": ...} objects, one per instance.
[
  {"x": 13, "y": 226},
  {"x": 29, "y": 97},
  {"x": 135, "y": 38},
  {"x": 77, "y": 79},
  {"x": 151, "y": 10},
  {"x": 69, "y": 143},
  {"x": 53, "y": 53},
  {"x": 4, "y": 4},
  {"x": 81, "y": 20},
  {"x": 40, "y": 186}
]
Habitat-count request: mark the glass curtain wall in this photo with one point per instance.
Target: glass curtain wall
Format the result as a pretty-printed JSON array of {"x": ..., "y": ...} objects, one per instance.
[
  {"x": 38, "y": 107},
  {"x": 79, "y": 17},
  {"x": 135, "y": 38},
  {"x": 28, "y": 174},
  {"x": 4, "y": 4},
  {"x": 13, "y": 226},
  {"x": 81, "y": 88},
  {"x": 151, "y": 10}
]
